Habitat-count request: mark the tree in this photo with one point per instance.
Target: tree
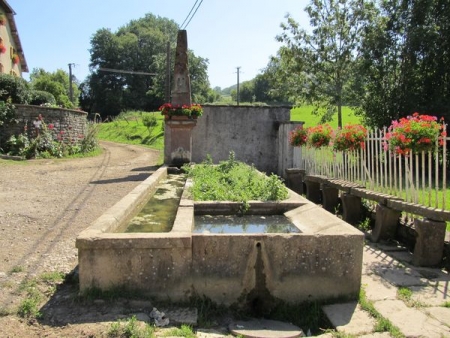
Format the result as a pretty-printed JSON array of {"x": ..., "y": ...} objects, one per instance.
[
  {"x": 323, "y": 58},
  {"x": 283, "y": 81},
  {"x": 199, "y": 78},
  {"x": 57, "y": 84},
  {"x": 247, "y": 91},
  {"x": 404, "y": 64},
  {"x": 136, "y": 48}
]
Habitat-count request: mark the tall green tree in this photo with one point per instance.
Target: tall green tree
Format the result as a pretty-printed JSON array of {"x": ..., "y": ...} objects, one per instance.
[
  {"x": 57, "y": 84},
  {"x": 135, "y": 51},
  {"x": 405, "y": 57},
  {"x": 322, "y": 58}
]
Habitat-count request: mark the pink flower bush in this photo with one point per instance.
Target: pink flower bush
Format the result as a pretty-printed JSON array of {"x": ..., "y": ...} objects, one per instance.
[{"x": 414, "y": 133}]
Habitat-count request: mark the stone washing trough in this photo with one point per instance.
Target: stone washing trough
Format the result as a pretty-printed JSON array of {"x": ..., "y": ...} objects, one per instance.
[{"x": 321, "y": 262}]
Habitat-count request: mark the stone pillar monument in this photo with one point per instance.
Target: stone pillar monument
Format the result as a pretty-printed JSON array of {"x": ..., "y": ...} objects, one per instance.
[
  {"x": 178, "y": 129},
  {"x": 181, "y": 93}
]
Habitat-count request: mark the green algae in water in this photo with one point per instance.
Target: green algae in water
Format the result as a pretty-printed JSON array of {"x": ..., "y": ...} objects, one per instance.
[
  {"x": 250, "y": 224},
  {"x": 159, "y": 213}
]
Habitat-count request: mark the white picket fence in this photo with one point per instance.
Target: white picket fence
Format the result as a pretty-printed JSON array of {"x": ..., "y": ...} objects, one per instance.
[{"x": 420, "y": 178}]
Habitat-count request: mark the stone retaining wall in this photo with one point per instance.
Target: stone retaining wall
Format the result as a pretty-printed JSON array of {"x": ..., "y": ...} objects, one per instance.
[{"x": 68, "y": 125}]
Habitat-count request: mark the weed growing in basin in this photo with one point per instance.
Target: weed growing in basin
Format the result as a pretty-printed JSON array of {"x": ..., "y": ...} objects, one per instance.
[
  {"x": 130, "y": 328},
  {"x": 234, "y": 181},
  {"x": 446, "y": 304}
]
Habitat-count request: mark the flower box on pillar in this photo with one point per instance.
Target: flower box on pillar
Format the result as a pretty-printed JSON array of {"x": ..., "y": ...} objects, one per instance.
[{"x": 180, "y": 113}]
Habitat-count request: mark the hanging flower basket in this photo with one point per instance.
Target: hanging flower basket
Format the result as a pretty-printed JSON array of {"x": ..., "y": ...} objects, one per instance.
[
  {"x": 350, "y": 137},
  {"x": 193, "y": 111},
  {"x": 15, "y": 59},
  {"x": 2, "y": 48},
  {"x": 298, "y": 137},
  {"x": 319, "y": 136},
  {"x": 414, "y": 134}
]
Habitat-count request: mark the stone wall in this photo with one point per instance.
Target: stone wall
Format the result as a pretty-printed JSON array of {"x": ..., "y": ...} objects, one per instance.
[
  {"x": 68, "y": 125},
  {"x": 253, "y": 133}
]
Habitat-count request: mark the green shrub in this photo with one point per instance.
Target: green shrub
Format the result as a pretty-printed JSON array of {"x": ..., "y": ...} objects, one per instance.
[
  {"x": 14, "y": 88},
  {"x": 45, "y": 145},
  {"x": 17, "y": 145},
  {"x": 38, "y": 97},
  {"x": 7, "y": 113}
]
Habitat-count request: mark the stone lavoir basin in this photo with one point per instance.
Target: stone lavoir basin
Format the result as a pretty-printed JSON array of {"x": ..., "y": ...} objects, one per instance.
[{"x": 312, "y": 255}]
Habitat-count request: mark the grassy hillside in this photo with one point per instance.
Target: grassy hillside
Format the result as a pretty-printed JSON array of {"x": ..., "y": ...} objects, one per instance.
[
  {"x": 304, "y": 114},
  {"x": 129, "y": 128}
]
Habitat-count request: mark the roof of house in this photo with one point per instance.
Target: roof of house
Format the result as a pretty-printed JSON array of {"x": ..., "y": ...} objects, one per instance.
[{"x": 15, "y": 34}]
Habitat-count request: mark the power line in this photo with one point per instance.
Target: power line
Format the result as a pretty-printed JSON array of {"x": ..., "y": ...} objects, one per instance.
[
  {"x": 196, "y": 9},
  {"x": 188, "y": 14},
  {"x": 126, "y": 71}
]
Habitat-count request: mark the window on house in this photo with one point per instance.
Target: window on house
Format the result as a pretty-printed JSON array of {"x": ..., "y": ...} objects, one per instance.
[{"x": 1, "y": 68}]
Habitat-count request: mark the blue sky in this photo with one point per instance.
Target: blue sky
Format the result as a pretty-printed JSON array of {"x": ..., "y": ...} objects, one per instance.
[{"x": 229, "y": 33}]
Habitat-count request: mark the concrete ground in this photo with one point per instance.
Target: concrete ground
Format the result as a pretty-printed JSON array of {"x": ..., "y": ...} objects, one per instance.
[{"x": 387, "y": 268}]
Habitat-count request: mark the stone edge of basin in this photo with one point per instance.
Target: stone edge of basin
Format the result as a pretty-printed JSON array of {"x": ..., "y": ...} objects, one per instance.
[{"x": 297, "y": 208}]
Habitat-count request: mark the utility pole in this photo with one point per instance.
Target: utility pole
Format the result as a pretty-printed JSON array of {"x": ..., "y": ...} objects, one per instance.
[
  {"x": 70, "y": 82},
  {"x": 237, "y": 89},
  {"x": 168, "y": 73}
]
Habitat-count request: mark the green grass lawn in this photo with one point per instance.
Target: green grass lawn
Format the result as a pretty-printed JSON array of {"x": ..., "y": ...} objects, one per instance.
[
  {"x": 129, "y": 128},
  {"x": 304, "y": 114}
]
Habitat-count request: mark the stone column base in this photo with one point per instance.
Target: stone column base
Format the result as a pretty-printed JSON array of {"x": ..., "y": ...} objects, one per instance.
[
  {"x": 351, "y": 208},
  {"x": 429, "y": 246},
  {"x": 330, "y": 198},
  {"x": 313, "y": 191},
  {"x": 386, "y": 222},
  {"x": 295, "y": 179},
  {"x": 178, "y": 140}
]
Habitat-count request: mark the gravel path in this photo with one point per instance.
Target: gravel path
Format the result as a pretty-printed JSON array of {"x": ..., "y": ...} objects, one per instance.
[{"x": 44, "y": 205}]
